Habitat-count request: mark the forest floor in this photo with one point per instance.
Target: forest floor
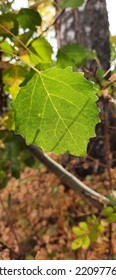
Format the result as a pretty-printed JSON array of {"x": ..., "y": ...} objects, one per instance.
[{"x": 37, "y": 213}]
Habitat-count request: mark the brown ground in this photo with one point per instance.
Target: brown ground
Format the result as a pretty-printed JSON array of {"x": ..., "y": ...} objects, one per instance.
[{"x": 37, "y": 214}]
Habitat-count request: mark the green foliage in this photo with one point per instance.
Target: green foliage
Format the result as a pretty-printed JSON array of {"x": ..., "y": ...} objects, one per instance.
[
  {"x": 12, "y": 78},
  {"x": 112, "y": 199},
  {"x": 9, "y": 163},
  {"x": 90, "y": 230},
  {"x": 87, "y": 232},
  {"x": 72, "y": 3},
  {"x": 113, "y": 50},
  {"x": 10, "y": 23},
  {"x": 44, "y": 114},
  {"x": 110, "y": 212},
  {"x": 5, "y": 46},
  {"x": 107, "y": 211},
  {"x": 42, "y": 111},
  {"x": 5, "y": 6},
  {"x": 25, "y": 38},
  {"x": 74, "y": 55},
  {"x": 13, "y": 157},
  {"x": 83, "y": 239},
  {"x": 29, "y": 19},
  {"x": 62, "y": 107},
  {"x": 41, "y": 51}
]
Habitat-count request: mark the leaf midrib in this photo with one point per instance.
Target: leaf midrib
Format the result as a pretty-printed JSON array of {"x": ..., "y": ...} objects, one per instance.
[{"x": 57, "y": 111}]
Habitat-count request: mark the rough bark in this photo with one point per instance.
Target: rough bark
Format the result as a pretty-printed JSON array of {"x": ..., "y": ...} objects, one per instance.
[{"x": 89, "y": 26}]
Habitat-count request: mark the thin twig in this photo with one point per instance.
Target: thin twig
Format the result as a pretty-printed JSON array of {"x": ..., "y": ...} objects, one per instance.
[
  {"x": 16, "y": 38},
  {"x": 109, "y": 84},
  {"x": 21, "y": 59},
  {"x": 107, "y": 72},
  {"x": 53, "y": 23}
]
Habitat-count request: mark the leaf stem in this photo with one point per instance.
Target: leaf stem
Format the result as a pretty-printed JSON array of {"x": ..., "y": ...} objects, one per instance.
[
  {"x": 21, "y": 59},
  {"x": 16, "y": 38}
]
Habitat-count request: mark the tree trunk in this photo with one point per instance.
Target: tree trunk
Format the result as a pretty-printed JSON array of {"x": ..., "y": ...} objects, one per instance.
[{"x": 88, "y": 26}]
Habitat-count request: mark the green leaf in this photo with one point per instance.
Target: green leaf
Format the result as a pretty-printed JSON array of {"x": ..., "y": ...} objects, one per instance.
[
  {"x": 112, "y": 200},
  {"x": 83, "y": 225},
  {"x": 100, "y": 228},
  {"x": 92, "y": 220},
  {"x": 73, "y": 55},
  {"x": 5, "y": 46},
  {"x": 9, "y": 120},
  {"x": 9, "y": 22},
  {"x": 57, "y": 111},
  {"x": 41, "y": 51},
  {"x": 93, "y": 235},
  {"x": 107, "y": 211},
  {"x": 31, "y": 73},
  {"x": 113, "y": 39},
  {"x": 78, "y": 231},
  {"x": 28, "y": 18},
  {"x": 111, "y": 218},
  {"x": 76, "y": 244},
  {"x": 28, "y": 77},
  {"x": 12, "y": 78},
  {"x": 85, "y": 241},
  {"x": 5, "y": 7},
  {"x": 72, "y": 3},
  {"x": 3, "y": 183},
  {"x": 23, "y": 38}
]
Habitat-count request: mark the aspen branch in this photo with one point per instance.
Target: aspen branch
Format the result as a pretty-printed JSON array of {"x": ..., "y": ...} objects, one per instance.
[{"x": 70, "y": 180}]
